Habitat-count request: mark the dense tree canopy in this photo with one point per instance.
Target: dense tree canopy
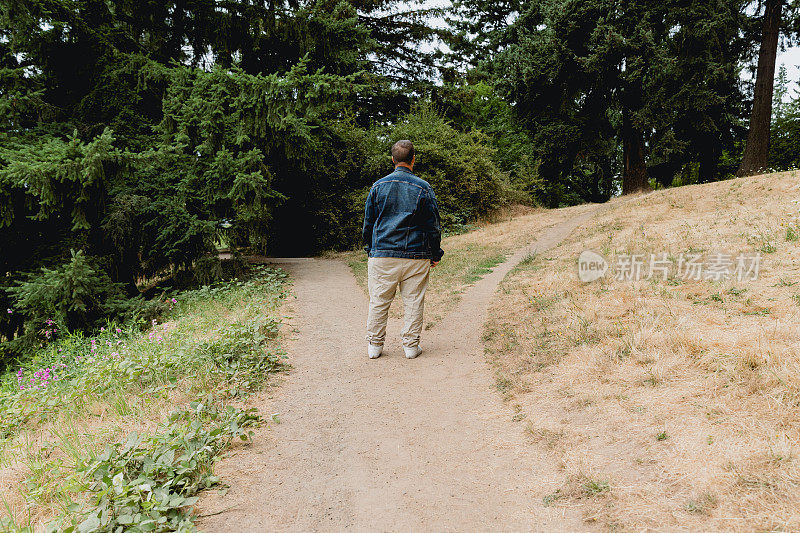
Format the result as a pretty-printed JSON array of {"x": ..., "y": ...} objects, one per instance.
[{"x": 658, "y": 80}]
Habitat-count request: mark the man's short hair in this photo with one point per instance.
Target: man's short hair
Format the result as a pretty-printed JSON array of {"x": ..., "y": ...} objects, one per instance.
[{"x": 403, "y": 151}]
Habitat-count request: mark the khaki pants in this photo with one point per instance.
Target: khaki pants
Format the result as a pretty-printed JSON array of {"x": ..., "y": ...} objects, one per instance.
[{"x": 385, "y": 275}]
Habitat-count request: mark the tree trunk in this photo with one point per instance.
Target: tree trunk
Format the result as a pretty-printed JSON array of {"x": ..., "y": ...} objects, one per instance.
[
  {"x": 634, "y": 173},
  {"x": 756, "y": 150},
  {"x": 709, "y": 159},
  {"x": 602, "y": 185}
]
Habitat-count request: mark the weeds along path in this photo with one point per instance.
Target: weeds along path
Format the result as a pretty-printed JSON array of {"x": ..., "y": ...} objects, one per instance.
[{"x": 388, "y": 444}]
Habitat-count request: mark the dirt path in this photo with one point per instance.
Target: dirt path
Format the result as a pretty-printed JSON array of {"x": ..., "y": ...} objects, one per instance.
[{"x": 388, "y": 444}]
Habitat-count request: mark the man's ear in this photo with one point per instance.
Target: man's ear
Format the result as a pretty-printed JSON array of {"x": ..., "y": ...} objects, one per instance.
[
  {"x": 413, "y": 159},
  {"x": 393, "y": 161}
]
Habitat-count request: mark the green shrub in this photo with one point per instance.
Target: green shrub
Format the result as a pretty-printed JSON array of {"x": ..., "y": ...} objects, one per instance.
[
  {"x": 458, "y": 165},
  {"x": 211, "y": 269},
  {"x": 76, "y": 295},
  {"x": 480, "y": 106},
  {"x": 151, "y": 484}
]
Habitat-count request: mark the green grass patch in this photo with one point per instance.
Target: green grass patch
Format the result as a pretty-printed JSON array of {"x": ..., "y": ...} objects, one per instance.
[
  {"x": 529, "y": 263},
  {"x": 358, "y": 264},
  {"x": 481, "y": 268},
  {"x": 595, "y": 487},
  {"x": 75, "y": 373}
]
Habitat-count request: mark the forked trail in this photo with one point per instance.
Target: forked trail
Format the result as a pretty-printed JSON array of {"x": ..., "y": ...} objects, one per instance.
[{"x": 388, "y": 444}]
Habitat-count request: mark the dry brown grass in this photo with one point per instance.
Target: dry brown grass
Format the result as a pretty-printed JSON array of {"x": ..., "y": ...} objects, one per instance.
[{"x": 684, "y": 396}]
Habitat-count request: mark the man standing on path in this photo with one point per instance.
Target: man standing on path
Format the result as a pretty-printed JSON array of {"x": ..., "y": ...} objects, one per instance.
[{"x": 403, "y": 239}]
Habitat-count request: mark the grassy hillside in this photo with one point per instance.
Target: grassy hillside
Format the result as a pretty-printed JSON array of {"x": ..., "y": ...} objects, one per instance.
[
  {"x": 668, "y": 402},
  {"x": 124, "y": 428}
]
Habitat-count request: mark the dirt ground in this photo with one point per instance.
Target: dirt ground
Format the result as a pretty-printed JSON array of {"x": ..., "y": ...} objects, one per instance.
[{"x": 389, "y": 444}]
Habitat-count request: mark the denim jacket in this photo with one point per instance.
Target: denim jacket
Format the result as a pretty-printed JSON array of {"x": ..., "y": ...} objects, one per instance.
[{"x": 401, "y": 218}]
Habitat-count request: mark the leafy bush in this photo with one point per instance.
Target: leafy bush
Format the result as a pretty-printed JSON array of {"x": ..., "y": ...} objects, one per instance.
[
  {"x": 148, "y": 484},
  {"x": 458, "y": 165},
  {"x": 479, "y": 106},
  {"x": 211, "y": 269},
  {"x": 239, "y": 352}
]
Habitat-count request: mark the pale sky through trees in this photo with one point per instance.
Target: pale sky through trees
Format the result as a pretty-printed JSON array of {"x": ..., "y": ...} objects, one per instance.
[{"x": 790, "y": 58}]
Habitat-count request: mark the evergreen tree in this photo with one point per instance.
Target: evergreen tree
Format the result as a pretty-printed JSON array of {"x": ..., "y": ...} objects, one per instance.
[
  {"x": 112, "y": 143},
  {"x": 653, "y": 82},
  {"x": 479, "y": 31}
]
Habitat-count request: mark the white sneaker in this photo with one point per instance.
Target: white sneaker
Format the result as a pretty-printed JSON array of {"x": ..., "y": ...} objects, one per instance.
[
  {"x": 374, "y": 351},
  {"x": 412, "y": 352}
]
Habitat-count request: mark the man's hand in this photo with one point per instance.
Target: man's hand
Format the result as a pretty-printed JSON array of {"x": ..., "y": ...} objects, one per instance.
[{"x": 434, "y": 263}]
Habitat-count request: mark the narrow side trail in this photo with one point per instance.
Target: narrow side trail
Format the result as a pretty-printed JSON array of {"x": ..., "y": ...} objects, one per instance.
[{"x": 388, "y": 444}]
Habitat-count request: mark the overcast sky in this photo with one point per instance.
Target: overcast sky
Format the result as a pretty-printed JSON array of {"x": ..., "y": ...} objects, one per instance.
[{"x": 790, "y": 58}]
